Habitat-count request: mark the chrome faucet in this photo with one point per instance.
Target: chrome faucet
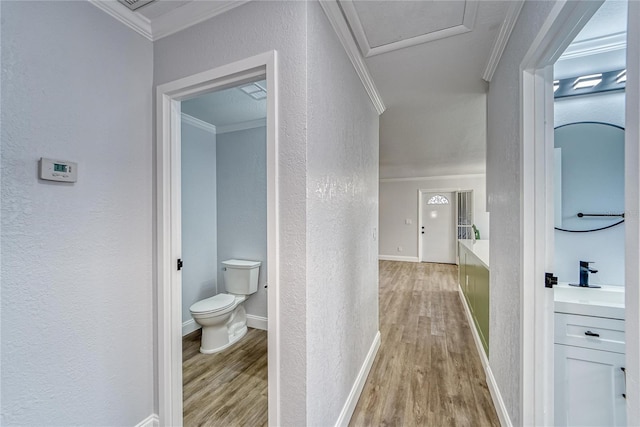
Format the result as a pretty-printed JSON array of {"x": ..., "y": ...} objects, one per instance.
[{"x": 584, "y": 275}]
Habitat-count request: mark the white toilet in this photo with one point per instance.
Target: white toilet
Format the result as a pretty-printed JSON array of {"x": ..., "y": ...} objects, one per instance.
[{"x": 223, "y": 317}]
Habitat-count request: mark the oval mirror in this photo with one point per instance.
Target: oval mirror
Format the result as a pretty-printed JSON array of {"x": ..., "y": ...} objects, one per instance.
[{"x": 589, "y": 176}]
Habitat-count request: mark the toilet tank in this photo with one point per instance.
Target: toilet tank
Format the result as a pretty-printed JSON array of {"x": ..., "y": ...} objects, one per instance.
[{"x": 241, "y": 276}]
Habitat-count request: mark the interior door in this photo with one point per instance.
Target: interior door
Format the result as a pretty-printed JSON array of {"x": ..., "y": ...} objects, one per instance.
[{"x": 437, "y": 228}]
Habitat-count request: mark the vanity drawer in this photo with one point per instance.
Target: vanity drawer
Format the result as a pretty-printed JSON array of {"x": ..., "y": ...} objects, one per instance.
[{"x": 590, "y": 332}]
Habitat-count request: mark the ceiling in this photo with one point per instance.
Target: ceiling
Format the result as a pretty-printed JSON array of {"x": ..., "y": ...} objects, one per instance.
[
  {"x": 600, "y": 46},
  {"x": 434, "y": 123},
  {"x": 228, "y": 107}
]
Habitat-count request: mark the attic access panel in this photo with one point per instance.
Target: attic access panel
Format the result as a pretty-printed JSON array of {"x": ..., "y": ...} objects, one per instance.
[{"x": 384, "y": 26}]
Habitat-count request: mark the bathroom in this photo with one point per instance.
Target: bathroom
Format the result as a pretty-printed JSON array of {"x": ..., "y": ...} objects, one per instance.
[
  {"x": 589, "y": 236},
  {"x": 224, "y": 219}
]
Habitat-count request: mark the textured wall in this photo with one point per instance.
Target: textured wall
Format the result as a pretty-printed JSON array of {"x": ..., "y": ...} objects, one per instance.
[
  {"x": 248, "y": 30},
  {"x": 605, "y": 247},
  {"x": 199, "y": 216},
  {"x": 77, "y": 326},
  {"x": 503, "y": 190},
  {"x": 242, "y": 206},
  {"x": 399, "y": 202},
  {"x": 342, "y": 191}
]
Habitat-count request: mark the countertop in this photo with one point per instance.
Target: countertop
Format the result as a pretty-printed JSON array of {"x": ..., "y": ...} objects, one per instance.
[
  {"x": 480, "y": 248},
  {"x": 607, "y": 301}
]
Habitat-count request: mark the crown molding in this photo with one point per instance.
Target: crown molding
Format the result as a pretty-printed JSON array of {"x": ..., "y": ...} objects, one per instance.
[
  {"x": 175, "y": 20},
  {"x": 250, "y": 124},
  {"x": 131, "y": 19},
  {"x": 434, "y": 178},
  {"x": 353, "y": 19},
  {"x": 515, "y": 7},
  {"x": 200, "y": 124},
  {"x": 595, "y": 46},
  {"x": 340, "y": 26}
]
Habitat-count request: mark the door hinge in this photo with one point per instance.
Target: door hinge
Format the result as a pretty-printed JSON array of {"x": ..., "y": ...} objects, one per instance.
[
  {"x": 550, "y": 280},
  {"x": 179, "y": 264}
]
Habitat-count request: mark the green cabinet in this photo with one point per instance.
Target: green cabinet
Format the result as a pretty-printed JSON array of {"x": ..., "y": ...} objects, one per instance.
[{"x": 473, "y": 278}]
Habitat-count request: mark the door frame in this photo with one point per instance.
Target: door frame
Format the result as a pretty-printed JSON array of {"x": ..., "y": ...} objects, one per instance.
[
  {"x": 420, "y": 200},
  {"x": 536, "y": 216},
  {"x": 168, "y": 233}
]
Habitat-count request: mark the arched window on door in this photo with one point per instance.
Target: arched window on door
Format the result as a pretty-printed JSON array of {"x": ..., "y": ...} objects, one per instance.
[{"x": 438, "y": 200}]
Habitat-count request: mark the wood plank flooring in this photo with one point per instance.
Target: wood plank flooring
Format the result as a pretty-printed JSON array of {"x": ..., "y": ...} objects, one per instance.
[
  {"x": 227, "y": 388},
  {"x": 427, "y": 371}
]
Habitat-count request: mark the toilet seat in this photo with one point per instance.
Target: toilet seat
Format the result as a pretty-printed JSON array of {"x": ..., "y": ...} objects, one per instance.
[{"x": 213, "y": 304}]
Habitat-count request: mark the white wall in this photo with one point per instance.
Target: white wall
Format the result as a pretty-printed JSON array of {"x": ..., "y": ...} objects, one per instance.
[
  {"x": 242, "y": 206},
  {"x": 342, "y": 213},
  {"x": 199, "y": 216},
  {"x": 433, "y": 140},
  {"x": 77, "y": 319},
  {"x": 605, "y": 247},
  {"x": 251, "y": 29},
  {"x": 504, "y": 193},
  {"x": 399, "y": 202}
]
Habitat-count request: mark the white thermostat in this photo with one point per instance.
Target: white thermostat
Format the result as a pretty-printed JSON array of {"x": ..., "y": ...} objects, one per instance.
[{"x": 58, "y": 170}]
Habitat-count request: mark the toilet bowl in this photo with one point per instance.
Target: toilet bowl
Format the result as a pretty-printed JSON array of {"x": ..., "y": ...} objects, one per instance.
[{"x": 223, "y": 317}]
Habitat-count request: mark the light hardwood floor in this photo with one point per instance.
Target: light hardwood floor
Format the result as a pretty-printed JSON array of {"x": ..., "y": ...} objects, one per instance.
[
  {"x": 427, "y": 371},
  {"x": 227, "y": 388}
]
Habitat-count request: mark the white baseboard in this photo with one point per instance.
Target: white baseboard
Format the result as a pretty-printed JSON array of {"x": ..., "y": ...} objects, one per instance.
[
  {"x": 189, "y": 326},
  {"x": 151, "y": 421},
  {"x": 398, "y": 258},
  {"x": 358, "y": 385},
  {"x": 498, "y": 401},
  {"x": 257, "y": 322}
]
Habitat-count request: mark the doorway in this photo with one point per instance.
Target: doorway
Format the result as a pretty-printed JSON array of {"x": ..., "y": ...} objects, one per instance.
[
  {"x": 437, "y": 227},
  {"x": 224, "y": 214},
  {"x": 169, "y": 221},
  {"x": 588, "y": 247},
  {"x": 537, "y": 87}
]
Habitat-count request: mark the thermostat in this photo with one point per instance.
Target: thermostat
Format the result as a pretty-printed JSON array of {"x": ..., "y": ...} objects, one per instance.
[{"x": 58, "y": 170}]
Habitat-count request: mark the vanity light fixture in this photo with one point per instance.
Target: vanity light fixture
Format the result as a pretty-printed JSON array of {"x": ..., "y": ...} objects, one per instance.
[
  {"x": 587, "y": 81},
  {"x": 606, "y": 81}
]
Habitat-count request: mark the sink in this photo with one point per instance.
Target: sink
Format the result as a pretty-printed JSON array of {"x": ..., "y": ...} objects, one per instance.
[{"x": 607, "y": 301}]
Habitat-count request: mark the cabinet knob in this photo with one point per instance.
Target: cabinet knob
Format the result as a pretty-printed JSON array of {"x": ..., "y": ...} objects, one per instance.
[{"x": 591, "y": 334}]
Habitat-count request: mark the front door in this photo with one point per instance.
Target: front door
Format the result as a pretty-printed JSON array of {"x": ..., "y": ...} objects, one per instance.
[{"x": 437, "y": 228}]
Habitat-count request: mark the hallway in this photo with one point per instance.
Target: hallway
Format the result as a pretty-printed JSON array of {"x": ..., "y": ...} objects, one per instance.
[{"x": 427, "y": 371}]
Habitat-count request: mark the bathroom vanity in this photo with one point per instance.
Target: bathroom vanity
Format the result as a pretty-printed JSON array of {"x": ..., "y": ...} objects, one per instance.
[
  {"x": 473, "y": 277},
  {"x": 589, "y": 356}
]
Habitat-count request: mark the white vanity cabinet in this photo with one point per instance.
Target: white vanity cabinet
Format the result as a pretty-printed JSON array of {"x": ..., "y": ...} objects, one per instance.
[{"x": 589, "y": 379}]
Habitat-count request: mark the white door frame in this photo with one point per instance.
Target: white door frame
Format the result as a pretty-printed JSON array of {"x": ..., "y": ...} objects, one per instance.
[
  {"x": 420, "y": 200},
  {"x": 536, "y": 218},
  {"x": 632, "y": 215},
  {"x": 168, "y": 235}
]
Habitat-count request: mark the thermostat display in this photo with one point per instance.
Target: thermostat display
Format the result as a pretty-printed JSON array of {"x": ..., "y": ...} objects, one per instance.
[
  {"x": 58, "y": 170},
  {"x": 57, "y": 167}
]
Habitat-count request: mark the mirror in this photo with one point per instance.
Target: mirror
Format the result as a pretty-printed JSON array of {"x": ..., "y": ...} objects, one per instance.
[{"x": 589, "y": 176}]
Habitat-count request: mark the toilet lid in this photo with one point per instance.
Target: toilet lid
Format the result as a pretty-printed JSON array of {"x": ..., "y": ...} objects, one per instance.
[{"x": 215, "y": 303}]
